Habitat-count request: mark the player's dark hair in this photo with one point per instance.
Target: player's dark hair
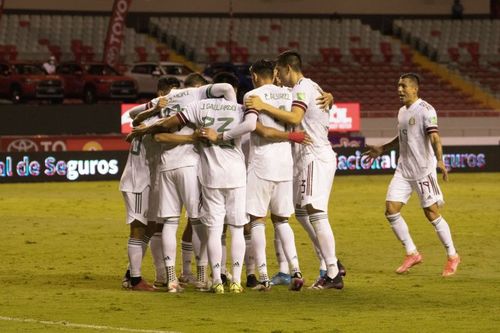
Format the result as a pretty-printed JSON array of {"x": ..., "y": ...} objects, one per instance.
[
  {"x": 263, "y": 67},
  {"x": 226, "y": 77},
  {"x": 290, "y": 58},
  {"x": 414, "y": 77},
  {"x": 167, "y": 83},
  {"x": 194, "y": 80}
]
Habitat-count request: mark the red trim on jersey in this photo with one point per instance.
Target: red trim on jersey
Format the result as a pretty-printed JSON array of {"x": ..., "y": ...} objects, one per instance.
[
  {"x": 247, "y": 111},
  {"x": 432, "y": 129},
  {"x": 300, "y": 104},
  {"x": 182, "y": 118}
]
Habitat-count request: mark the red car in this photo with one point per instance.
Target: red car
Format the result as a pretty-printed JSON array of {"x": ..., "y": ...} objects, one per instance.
[
  {"x": 21, "y": 81},
  {"x": 95, "y": 81}
]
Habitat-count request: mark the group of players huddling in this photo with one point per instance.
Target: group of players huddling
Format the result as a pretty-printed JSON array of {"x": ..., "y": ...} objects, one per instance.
[{"x": 186, "y": 151}]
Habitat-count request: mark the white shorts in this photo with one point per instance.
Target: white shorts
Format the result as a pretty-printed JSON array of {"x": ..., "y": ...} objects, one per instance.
[
  {"x": 179, "y": 187},
  {"x": 314, "y": 184},
  {"x": 266, "y": 194},
  {"x": 136, "y": 205},
  {"x": 400, "y": 190},
  {"x": 225, "y": 205}
]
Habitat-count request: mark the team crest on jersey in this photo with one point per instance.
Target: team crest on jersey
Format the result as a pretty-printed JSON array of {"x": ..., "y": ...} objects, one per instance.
[
  {"x": 412, "y": 121},
  {"x": 434, "y": 120},
  {"x": 301, "y": 96}
]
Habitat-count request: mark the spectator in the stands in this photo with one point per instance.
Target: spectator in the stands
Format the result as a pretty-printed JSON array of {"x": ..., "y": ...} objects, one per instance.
[
  {"x": 50, "y": 65},
  {"x": 457, "y": 10}
]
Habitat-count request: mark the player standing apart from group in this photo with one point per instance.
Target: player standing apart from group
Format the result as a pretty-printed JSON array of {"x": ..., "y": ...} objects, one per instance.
[{"x": 419, "y": 149}]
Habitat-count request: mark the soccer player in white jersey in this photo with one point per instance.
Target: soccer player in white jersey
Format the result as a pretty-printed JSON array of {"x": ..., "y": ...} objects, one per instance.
[
  {"x": 138, "y": 185},
  {"x": 178, "y": 178},
  {"x": 269, "y": 180},
  {"x": 419, "y": 149},
  {"x": 222, "y": 175},
  {"x": 314, "y": 164}
]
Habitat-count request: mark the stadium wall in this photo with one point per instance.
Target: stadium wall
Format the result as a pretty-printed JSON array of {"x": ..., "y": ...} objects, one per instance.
[{"x": 320, "y": 7}]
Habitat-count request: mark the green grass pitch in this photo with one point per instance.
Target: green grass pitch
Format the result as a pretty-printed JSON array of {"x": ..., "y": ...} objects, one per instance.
[{"x": 63, "y": 254}]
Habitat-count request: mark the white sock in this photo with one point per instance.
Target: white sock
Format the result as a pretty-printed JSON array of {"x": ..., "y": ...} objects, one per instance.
[
  {"x": 214, "y": 247},
  {"x": 134, "y": 249},
  {"x": 200, "y": 233},
  {"x": 169, "y": 238},
  {"x": 187, "y": 254},
  {"x": 224, "y": 253},
  {"x": 287, "y": 237},
  {"x": 326, "y": 241},
  {"x": 249, "y": 255},
  {"x": 280, "y": 254},
  {"x": 157, "y": 253},
  {"x": 195, "y": 239},
  {"x": 258, "y": 230},
  {"x": 303, "y": 218},
  {"x": 237, "y": 251},
  {"x": 401, "y": 231},
  {"x": 444, "y": 234}
]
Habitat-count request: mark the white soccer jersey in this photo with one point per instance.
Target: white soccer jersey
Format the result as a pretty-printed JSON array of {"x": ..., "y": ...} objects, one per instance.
[
  {"x": 315, "y": 123},
  {"x": 416, "y": 156},
  {"x": 271, "y": 160},
  {"x": 178, "y": 156},
  {"x": 140, "y": 170},
  {"x": 222, "y": 166}
]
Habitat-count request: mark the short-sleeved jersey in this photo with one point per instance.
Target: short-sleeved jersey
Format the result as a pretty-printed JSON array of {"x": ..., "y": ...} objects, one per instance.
[
  {"x": 315, "y": 123},
  {"x": 142, "y": 162},
  {"x": 416, "y": 156},
  {"x": 221, "y": 166},
  {"x": 271, "y": 160},
  {"x": 183, "y": 155}
]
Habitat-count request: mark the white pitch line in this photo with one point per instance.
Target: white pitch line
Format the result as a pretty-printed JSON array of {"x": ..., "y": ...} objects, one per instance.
[{"x": 68, "y": 324}]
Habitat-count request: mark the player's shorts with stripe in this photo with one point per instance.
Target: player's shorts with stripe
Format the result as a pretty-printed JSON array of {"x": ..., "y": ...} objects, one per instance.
[
  {"x": 137, "y": 205},
  {"x": 266, "y": 194},
  {"x": 314, "y": 184},
  {"x": 429, "y": 192},
  {"x": 225, "y": 205},
  {"x": 179, "y": 187}
]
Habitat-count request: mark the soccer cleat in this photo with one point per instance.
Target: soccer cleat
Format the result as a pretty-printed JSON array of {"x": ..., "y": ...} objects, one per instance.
[
  {"x": 126, "y": 283},
  {"x": 235, "y": 288},
  {"x": 316, "y": 283},
  {"x": 202, "y": 286},
  {"x": 186, "y": 279},
  {"x": 226, "y": 279},
  {"x": 296, "y": 282},
  {"x": 342, "y": 269},
  {"x": 327, "y": 282},
  {"x": 410, "y": 261},
  {"x": 281, "y": 279},
  {"x": 174, "y": 287},
  {"x": 142, "y": 286},
  {"x": 217, "y": 288},
  {"x": 263, "y": 286},
  {"x": 451, "y": 265},
  {"x": 160, "y": 286},
  {"x": 252, "y": 281}
]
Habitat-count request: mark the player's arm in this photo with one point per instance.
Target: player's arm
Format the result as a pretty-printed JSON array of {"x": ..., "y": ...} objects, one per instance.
[
  {"x": 325, "y": 101},
  {"x": 139, "y": 118},
  {"x": 246, "y": 126},
  {"x": 133, "y": 112},
  {"x": 294, "y": 117},
  {"x": 176, "y": 139},
  {"x": 376, "y": 151},
  {"x": 162, "y": 125},
  {"x": 438, "y": 151},
  {"x": 218, "y": 90},
  {"x": 274, "y": 134}
]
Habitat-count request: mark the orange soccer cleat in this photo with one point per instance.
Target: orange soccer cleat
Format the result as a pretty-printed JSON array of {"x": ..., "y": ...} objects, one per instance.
[
  {"x": 451, "y": 265},
  {"x": 410, "y": 261}
]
